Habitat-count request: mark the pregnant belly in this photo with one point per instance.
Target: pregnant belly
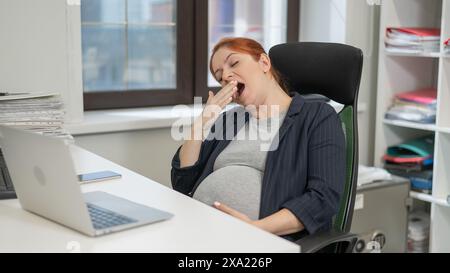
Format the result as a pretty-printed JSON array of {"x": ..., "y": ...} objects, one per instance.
[{"x": 236, "y": 186}]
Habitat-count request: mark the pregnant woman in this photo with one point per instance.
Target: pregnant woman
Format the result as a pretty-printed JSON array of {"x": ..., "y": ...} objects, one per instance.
[{"x": 291, "y": 189}]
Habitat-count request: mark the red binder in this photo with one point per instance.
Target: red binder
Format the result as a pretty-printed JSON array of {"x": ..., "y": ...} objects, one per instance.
[
  {"x": 402, "y": 160},
  {"x": 423, "y": 96},
  {"x": 421, "y": 32}
]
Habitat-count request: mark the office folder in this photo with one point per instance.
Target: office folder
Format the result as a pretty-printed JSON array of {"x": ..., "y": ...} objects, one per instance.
[
  {"x": 411, "y": 114},
  {"x": 405, "y": 168},
  {"x": 426, "y": 96},
  {"x": 415, "y": 106},
  {"x": 414, "y": 33},
  {"x": 400, "y": 160},
  {"x": 418, "y": 183},
  {"x": 418, "y": 150},
  {"x": 412, "y": 40}
]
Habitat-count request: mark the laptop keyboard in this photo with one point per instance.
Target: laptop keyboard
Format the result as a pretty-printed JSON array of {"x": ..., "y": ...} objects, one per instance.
[
  {"x": 103, "y": 218},
  {"x": 6, "y": 186}
]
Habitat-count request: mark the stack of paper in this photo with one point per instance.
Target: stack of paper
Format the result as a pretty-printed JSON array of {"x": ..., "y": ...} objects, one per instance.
[
  {"x": 412, "y": 40},
  {"x": 41, "y": 113},
  {"x": 415, "y": 106},
  {"x": 367, "y": 175}
]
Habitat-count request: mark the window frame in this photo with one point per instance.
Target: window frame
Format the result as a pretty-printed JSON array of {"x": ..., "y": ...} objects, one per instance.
[
  {"x": 201, "y": 41},
  {"x": 192, "y": 62},
  {"x": 182, "y": 94}
]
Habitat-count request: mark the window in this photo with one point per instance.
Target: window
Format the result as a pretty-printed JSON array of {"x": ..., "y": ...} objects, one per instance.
[
  {"x": 134, "y": 52},
  {"x": 264, "y": 21},
  {"x": 141, "y": 52},
  {"x": 269, "y": 22}
]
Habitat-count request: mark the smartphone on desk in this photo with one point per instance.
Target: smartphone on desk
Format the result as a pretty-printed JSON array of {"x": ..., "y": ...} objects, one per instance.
[{"x": 98, "y": 176}]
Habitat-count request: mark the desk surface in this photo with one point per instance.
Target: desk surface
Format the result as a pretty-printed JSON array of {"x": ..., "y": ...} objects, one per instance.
[{"x": 194, "y": 228}]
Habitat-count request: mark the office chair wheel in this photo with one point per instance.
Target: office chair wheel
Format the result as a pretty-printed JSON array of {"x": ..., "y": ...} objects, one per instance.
[{"x": 360, "y": 246}]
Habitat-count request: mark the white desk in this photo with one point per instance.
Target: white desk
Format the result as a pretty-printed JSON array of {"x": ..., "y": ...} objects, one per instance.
[{"x": 194, "y": 228}]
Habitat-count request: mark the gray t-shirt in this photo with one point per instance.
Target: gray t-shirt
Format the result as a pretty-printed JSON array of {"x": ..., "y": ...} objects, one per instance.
[{"x": 239, "y": 169}]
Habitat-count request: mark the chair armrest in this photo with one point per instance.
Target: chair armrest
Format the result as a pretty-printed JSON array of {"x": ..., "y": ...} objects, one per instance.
[{"x": 317, "y": 242}]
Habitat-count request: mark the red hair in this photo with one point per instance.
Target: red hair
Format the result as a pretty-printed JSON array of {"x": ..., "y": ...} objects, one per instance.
[{"x": 250, "y": 47}]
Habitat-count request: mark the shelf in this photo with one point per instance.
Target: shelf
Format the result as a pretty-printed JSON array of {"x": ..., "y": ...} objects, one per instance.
[
  {"x": 444, "y": 130},
  {"x": 412, "y": 125},
  {"x": 412, "y": 54},
  {"x": 408, "y": 70},
  {"x": 428, "y": 198}
]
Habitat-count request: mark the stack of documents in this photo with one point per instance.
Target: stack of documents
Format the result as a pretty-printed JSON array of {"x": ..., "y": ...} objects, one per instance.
[
  {"x": 367, "y": 175},
  {"x": 418, "y": 232},
  {"x": 414, "y": 106},
  {"x": 40, "y": 113},
  {"x": 413, "y": 160},
  {"x": 413, "y": 40}
]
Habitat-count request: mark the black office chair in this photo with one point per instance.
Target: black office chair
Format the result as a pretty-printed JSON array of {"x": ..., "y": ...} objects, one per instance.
[{"x": 334, "y": 71}]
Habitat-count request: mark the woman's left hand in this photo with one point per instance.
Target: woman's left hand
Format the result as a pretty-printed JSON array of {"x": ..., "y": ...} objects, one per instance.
[
  {"x": 233, "y": 212},
  {"x": 282, "y": 222}
]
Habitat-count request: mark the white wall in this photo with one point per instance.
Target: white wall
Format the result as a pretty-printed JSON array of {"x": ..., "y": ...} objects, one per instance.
[
  {"x": 40, "y": 50},
  {"x": 323, "y": 21},
  {"x": 362, "y": 30},
  {"x": 356, "y": 23}
]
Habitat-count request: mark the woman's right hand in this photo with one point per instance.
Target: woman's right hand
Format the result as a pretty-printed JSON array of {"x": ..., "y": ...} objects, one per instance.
[
  {"x": 190, "y": 150},
  {"x": 216, "y": 103}
]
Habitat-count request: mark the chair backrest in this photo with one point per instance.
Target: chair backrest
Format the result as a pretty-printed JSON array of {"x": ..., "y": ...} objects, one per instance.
[{"x": 332, "y": 70}]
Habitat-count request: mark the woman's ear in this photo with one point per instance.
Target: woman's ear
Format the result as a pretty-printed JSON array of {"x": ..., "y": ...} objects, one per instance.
[{"x": 264, "y": 63}]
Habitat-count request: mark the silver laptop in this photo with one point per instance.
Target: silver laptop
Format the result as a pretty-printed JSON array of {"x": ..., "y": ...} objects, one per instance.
[{"x": 46, "y": 184}]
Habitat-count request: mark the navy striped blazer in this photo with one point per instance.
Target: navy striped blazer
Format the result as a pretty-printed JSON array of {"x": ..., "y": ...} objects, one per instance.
[{"x": 305, "y": 174}]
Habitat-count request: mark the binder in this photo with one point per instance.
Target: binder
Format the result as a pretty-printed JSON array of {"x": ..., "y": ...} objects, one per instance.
[
  {"x": 419, "y": 151},
  {"x": 405, "y": 168},
  {"x": 412, "y": 40},
  {"x": 415, "y": 106},
  {"x": 426, "y": 160},
  {"x": 426, "y": 96},
  {"x": 418, "y": 183},
  {"x": 415, "y": 33}
]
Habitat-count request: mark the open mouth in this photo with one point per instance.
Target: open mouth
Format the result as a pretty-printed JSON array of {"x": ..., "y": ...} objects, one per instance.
[{"x": 240, "y": 87}]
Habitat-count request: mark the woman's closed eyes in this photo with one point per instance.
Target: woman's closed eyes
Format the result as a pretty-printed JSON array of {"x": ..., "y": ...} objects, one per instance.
[{"x": 232, "y": 65}]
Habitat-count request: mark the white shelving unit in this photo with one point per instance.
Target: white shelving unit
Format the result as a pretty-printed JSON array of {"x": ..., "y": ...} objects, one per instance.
[{"x": 399, "y": 72}]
